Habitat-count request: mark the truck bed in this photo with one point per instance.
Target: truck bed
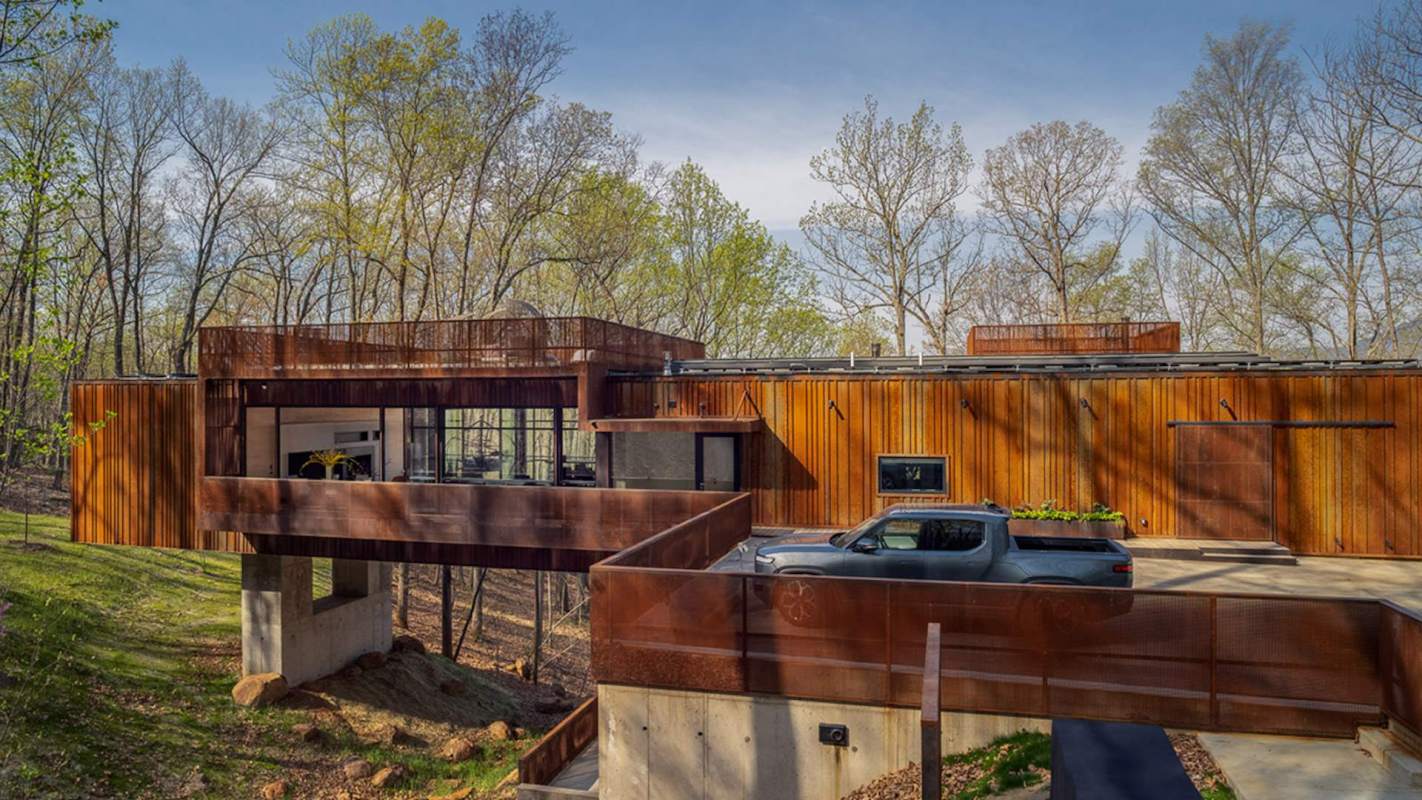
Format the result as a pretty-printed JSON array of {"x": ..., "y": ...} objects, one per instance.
[{"x": 1067, "y": 544}]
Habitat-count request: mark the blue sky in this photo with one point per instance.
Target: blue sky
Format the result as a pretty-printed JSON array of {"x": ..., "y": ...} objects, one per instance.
[{"x": 752, "y": 90}]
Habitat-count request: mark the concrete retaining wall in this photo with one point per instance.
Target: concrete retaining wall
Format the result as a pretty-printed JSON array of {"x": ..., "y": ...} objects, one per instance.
[{"x": 656, "y": 743}]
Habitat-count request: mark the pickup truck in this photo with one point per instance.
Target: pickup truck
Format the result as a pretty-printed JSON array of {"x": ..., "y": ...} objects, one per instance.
[{"x": 947, "y": 543}]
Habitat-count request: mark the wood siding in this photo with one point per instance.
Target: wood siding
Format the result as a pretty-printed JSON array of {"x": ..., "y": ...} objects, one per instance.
[
  {"x": 1077, "y": 440},
  {"x": 135, "y": 481}
]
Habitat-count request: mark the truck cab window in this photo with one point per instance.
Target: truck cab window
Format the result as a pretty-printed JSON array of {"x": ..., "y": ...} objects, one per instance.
[{"x": 951, "y": 535}]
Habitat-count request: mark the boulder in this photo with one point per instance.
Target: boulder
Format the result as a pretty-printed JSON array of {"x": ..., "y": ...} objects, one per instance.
[
  {"x": 353, "y": 671},
  {"x": 306, "y": 732},
  {"x": 405, "y": 643},
  {"x": 259, "y": 690},
  {"x": 453, "y": 688},
  {"x": 458, "y": 749},
  {"x": 372, "y": 660},
  {"x": 275, "y": 790},
  {"x": 499, "y": 731},
  {"x": 357, "y": 768},
  {"x": 389, "y": 776}
]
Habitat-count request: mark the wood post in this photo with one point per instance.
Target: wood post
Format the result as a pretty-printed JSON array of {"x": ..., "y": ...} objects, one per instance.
[{"x": 537, "y": 622}]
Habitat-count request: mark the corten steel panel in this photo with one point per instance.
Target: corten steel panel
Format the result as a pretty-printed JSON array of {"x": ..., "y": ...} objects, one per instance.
[
  {"x": 484, "y": 392},
  {"x": 559, "y": 746},
  {"x": 1225, "y": 475},
  {"x": 397, "y": 518},
  {"x": 443, "y": 347},
  {"x": 1074, "y": 338},
  {"x": 1402, "y": 665}
]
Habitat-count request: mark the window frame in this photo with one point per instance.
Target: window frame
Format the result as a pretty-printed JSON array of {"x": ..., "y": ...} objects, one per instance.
[{"x": 879, "y": 489}]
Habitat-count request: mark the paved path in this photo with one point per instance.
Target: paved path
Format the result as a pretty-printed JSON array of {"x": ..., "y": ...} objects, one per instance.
[
  {"x": 1266, "y": 767},
  {"x": 1399, "y": 581}
]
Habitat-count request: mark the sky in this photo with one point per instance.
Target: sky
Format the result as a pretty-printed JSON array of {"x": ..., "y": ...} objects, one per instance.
[{"x": 752, "y": 90}]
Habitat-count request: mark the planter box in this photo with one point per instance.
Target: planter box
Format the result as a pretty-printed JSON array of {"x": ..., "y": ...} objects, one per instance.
[{"x": 1053, "y": 527}]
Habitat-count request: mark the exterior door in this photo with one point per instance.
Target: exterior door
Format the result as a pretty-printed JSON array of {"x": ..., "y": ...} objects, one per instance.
[
  {"x": 1225, "y": 479},
  {"x": 717, "y": 463}
]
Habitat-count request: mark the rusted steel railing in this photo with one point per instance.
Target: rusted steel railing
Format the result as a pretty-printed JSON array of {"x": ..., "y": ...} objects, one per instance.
[
  {"x": 540, "y": 765},
  {"x": 432, "y": 348},
  {"x": 1209, "y": 661},
  {"x": 1074, "y": 338}
]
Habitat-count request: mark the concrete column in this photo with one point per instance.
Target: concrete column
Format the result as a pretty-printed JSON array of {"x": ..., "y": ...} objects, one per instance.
[{"x": 284, "y": 630}]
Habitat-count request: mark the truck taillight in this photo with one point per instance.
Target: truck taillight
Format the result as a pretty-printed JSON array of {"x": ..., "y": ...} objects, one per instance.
[{"x": 1121, "y": 568}]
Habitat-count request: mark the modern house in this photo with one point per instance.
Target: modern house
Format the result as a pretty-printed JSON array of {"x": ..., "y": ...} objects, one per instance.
[{"x": 559, "y": 443}]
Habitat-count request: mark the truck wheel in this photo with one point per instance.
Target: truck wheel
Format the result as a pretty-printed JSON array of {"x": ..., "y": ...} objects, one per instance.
[{"x": 797, "y": 600}]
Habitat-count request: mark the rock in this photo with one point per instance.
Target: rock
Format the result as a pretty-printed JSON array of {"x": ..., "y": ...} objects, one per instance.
[
  {"x": 521, "y": 668},
  {"x": 453, "y": 688},
  {"x": 553, "y": 706},
  {"x": 275, "y": 790},
  {"x": 405, "y": 643},
  {"x": 195, "y": 784},
  {"x": 499, "y": 731},
  {"x": 372, "y": 660},
  {"x": 458, "y": 749},
  {"x": 357, "y": 768},
  {"x": 306, "y": 732},
  {"x": 459, "y": 794},
  {"x": 386, "y": 733},
  {"x": 519, "y": 733},
  {"x": 353, "y": 671},
  {"x": 259, "y": 690},
  {"x": 559, "y": 690},
  {"x": 389, "y": 776}
]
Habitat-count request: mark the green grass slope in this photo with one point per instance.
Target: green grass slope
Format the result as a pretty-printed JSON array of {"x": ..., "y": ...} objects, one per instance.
[{"x": 115, "y": 671}]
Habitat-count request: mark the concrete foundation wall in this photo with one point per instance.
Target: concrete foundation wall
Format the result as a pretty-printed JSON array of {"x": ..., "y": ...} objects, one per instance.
[
  {"x": 655, "y": 743},
  {"x": 284, "y": 630},
  {"x": 654, "y": 460}
]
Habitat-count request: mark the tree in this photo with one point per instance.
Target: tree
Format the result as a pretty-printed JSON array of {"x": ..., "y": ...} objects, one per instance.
[
  {"x": 34, "y": 30},
  {"x": 891, "y": 238},
  {"x": 225, "y": 148},
  {"x": 1049, "y": 191},
  {"x": 1213, "y": 166}
]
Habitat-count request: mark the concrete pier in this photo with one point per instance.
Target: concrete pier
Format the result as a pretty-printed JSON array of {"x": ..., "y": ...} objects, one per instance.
[{"x": 285, "y": 630}]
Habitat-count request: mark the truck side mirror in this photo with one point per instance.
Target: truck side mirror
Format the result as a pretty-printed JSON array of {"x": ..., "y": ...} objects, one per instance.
[{"x": 865, "y": 544}]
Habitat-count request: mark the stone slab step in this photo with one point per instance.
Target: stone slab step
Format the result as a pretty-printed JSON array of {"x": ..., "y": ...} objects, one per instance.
[
  {"x": 1282, "y": 559},
  {"x": 1386, "y": 750}
]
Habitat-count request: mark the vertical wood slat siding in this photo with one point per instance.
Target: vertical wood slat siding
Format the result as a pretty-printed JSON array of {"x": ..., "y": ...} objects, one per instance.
[
  {"x": 135, "y": 480},
  {"x": 1026, "y": 439}
]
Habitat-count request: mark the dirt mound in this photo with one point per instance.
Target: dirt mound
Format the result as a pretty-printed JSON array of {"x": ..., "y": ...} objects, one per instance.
[{"x": 403, "y": 697}]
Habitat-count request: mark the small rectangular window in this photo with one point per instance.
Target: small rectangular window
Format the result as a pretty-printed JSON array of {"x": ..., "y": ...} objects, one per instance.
[{"x": 913, "y": 475}]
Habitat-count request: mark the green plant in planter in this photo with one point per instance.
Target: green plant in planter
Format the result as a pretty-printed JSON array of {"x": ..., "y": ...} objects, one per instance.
[
  {"x": 1048, "y": 511},
  {"x": 330, "y": 459}
]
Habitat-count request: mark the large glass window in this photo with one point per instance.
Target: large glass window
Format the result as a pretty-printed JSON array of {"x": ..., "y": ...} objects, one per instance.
[
  {"x": 498, "y": 444},
  {"x": 422, "y": 440},
  {"x": 579, "y": 452},
  {"x": 913, "y": 475}
]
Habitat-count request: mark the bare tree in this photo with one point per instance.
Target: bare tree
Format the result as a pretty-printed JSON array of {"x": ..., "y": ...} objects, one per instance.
[
  {"x": 1213, "y": 166},
  {"x": 891, "y": 231},
  {"x": 1050, "y": 191},
  {"x": 225, "y": 147}
]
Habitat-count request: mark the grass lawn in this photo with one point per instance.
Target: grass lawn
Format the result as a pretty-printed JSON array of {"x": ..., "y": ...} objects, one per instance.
[{"x": 115, "y": 671}]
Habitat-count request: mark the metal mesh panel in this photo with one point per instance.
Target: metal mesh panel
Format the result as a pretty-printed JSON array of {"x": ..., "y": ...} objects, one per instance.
[
  {"x": 1079, "y": 338},
  {"x": 1402, "y": 665},
  {"x": 432, "y": 347}
]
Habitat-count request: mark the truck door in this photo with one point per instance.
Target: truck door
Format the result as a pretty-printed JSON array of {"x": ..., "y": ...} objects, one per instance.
[
  {"x": 955, "y": 549},
  {"x": 888, "y": 551}
]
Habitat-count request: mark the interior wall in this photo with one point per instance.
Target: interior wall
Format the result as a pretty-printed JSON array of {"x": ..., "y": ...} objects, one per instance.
[{"x": 654, "y": 460}]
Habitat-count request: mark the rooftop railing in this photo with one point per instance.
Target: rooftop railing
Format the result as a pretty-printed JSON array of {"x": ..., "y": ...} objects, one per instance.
[
  {"x": 433, "y": 348},
  {"x": 1074, "y": 338}
]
